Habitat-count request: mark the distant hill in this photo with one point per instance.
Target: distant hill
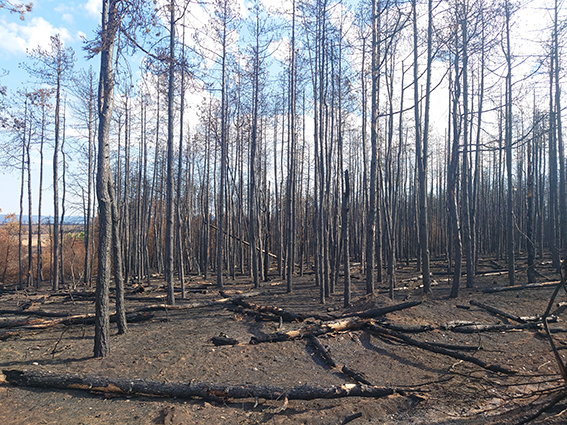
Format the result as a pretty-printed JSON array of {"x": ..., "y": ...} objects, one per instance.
[{"x": 47, "y": 219}]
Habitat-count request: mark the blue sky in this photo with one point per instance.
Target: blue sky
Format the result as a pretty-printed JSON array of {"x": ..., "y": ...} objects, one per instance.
[{"x": 73, "y": 21}]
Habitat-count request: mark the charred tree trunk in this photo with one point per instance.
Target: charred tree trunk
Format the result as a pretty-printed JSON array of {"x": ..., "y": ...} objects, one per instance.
[{"x": 104, "y": 178}]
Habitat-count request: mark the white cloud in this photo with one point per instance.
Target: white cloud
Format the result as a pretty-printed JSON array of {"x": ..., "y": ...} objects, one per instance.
[
  {"x": 94, "y": 8},
  {"x": 243, "y": 9},
  {"x": 67, "y": 17},
  {"x": 280, "y": 49},
  {"x": 17, "y": 37},
  {"x": 282, "y": 7}
]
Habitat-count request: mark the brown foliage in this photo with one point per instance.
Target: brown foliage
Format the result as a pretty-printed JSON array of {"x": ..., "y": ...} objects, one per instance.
[
  {"x": 73, "y": 253},
  {"x": 9, "y": 249}
]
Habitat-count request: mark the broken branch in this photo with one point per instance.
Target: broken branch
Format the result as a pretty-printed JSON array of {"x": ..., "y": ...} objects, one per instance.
[
  {"x": 498, "y": 311},
  {"x": 380, "y": 331},
  {"x": 383, "y": 310},
  {"x": 520, "y": 287},
  {"x": 315, "y": 329}
]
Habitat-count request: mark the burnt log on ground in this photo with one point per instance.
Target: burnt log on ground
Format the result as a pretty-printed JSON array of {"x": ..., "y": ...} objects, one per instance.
[
  {"x": 455, "y": 347},
  {"x": 85, "y": 319},
  {"x": 147, "y": 308},
  {"x": 65, "y": 318},
  {"x": 560, "y": 396},
  {"x": 237, "y": 293},
  {"x": 88, "y": 295},
  {"x": 20, "y": 322},
  {"x": 130, "y": 318},
  {"x": 259, "y": 317},
  {"x": 159, "y": 298},
  {"x": 387, "y": 333},
  {"x": 177, "y": 307},
  {"x": 502, "y": 312},
  {"x": 223, "y": 339},
  {"x": 349, "y": 323},
  {"x": 157, "y": 307},
  {"x": 376, "y": 312},
  {"x": 322, "y": 351},
  {"x": 38, "y": 313},
  {"x": 407, "y": 328},
  {"x": 268, "y": 312},
  {"x": 4, "y": 335},
  {"x": 287, "y": 316},
  {"x": 357, "y": 376},
  {"x": 329, "y": 361},
  {"x": 543, "y": 285},
  {"x": 190, "y": 389},
  {"x": 498, "y": 327},
  {"x": 351, "y": 418}
]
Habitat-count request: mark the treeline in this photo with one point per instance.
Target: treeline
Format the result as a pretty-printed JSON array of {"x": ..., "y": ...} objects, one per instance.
[{"x": 317, "y": 141}]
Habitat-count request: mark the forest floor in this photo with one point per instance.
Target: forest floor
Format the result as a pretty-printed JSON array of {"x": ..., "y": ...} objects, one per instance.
[{"x": 175, "y": 346}]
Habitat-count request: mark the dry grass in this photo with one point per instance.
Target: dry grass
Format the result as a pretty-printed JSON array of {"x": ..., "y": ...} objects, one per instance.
[{"x": 73, "y": 252}]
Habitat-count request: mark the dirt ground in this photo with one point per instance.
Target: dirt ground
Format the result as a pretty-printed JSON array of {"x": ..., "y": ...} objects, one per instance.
[{"x": 175, "y": 346}]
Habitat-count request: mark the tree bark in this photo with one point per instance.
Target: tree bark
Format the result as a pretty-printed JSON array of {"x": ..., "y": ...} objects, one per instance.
[
  {"x": 421, "y": 141},
  {"x": 346, "y": 241},
  {"x": 170, "y": 181},
  {"x": 206, "y": 390},
  {"x": 371, "y": 220},
  {"x": 104, "y": 178},
  {"x": 508, "y": 142}
]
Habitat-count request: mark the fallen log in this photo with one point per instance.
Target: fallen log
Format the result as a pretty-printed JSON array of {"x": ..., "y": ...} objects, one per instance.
[
  {"x": 498, "y": 311},
  {"x": 322, "y": 351},
  {"x": 376, "y": 312},
  {"x": 4, "y": 335},
  {"x": 357, "y": 376},
  {"x": 237, "y": 293},
  {"x": 544, "y": 408},
  {"x": 494, "y": 327},
  {"x": 349, "y": 323},
  {"x": 407, "y": 328},
  {"x": 223, "y": 339},
  {"x": 495, "y": 264},
  {"x": 520, "y": 287},
  {"x": 155, "y": 298},
  {"x": 284, "y": 314},
  {"x": 81, "y": 294},
  {"x": 85, "y": 319},
  {"x": 540, "y": 274},
  {"x": 69, "y": 320},
  {"x": 455, "y": 323},
  {"x": 157, "y": 307},
  {"x": 351, "y": 418},
  {"x": 326, "y": 356},
  {"x": 454, "y": 346},
  {"x": 176, "y": 307},
  {"x": 259, "y": 317},
  {"x": 19, "y": 322},
  {"x": 380, "y": 331},
  {"x": 130, "y": 318},
  {"x": 125, "y": 386},
  {"x": 500, "y": 272},
  {"x": 159, "y": 298},
  {"x": 33, "y": 313}
]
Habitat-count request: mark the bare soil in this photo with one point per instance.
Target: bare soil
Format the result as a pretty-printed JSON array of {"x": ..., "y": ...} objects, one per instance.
[{"x": 176, "y": 346}]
